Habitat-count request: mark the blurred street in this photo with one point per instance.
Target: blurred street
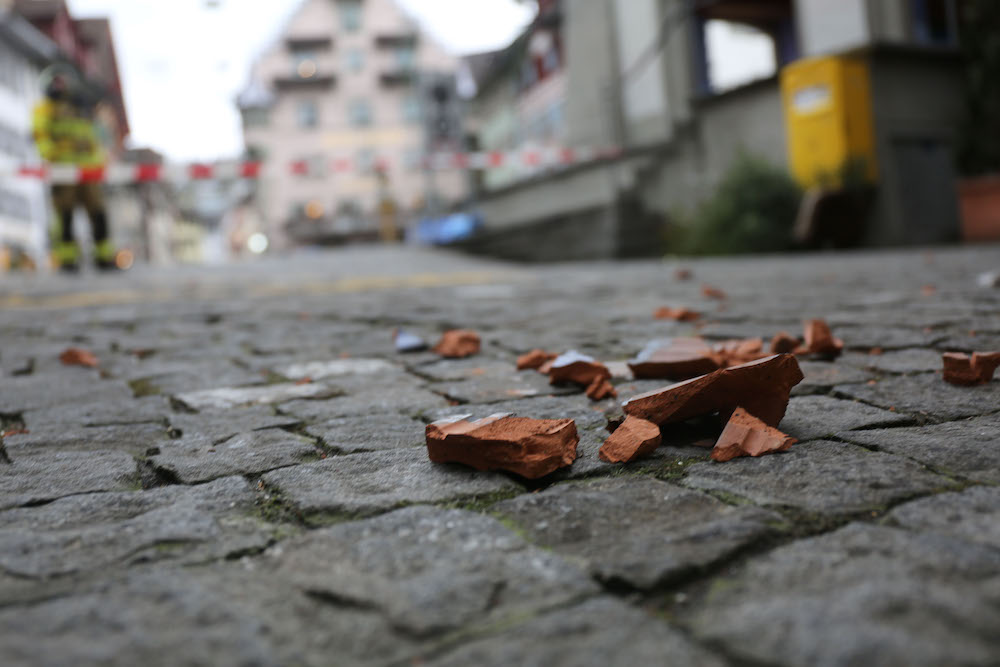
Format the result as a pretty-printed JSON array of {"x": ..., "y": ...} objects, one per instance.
[{"x": 243, "y": 478}]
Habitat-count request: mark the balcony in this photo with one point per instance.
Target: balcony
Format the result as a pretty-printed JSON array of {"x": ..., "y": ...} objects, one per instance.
[
  {"x": 402, "y": 40},
  {"x": 315, "y": 82},
  {"x": 398, "y": 77},
  {"x": 317, "y": 43}
]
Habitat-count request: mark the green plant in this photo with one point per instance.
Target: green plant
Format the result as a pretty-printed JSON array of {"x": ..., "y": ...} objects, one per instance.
[{"x": 753, "y": 209}]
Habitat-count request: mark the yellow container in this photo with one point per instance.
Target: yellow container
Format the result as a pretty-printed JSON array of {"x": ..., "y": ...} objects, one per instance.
[{"x": 828, "y": 117}]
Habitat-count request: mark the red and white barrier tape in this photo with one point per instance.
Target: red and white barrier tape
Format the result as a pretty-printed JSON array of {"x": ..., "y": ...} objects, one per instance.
[{"x": 123, "y": 174}]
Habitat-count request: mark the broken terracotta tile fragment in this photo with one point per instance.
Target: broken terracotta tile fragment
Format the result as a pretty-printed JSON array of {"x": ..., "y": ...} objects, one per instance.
[
  {"x": 573, "y": 367},
  {"x": 676, "y": 314},
  {"x": 783, "y": 343},
  {"x": 534, "y": 359},
  {"x": 683, "y": 274},
  {"x": 928, "y": 290},
  {"x": 77, "y": 356},
  {"x": 531, "y": 448},
  {"x": 600, "y": 389},
  {"x": 674, "y": 359},
  {"x": 963, "y": 370},
  {"x": 458, "y": 344},
  {"x": 710, "y": 292},
  {"x": 735, "y": 352},
  {"x": 986, "y": 364},
  {"x": 819, "y": 340},
  {"x": 745, "y": 435},
  {"x": 762, "y": 387},
  {"x": 633, "y": 439}
]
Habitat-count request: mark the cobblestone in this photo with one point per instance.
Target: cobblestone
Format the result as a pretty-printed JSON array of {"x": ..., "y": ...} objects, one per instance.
[{"x": 243, "y": 479}]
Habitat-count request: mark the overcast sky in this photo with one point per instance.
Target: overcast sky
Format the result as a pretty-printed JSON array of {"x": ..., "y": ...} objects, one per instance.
[{"x": 183, "y": 62}]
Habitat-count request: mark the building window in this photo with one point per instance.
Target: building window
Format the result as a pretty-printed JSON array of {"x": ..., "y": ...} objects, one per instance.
[
  {"x": 304, "y": 64},
  {"x": 412, "y": 112},
  {"x": 350, "y": 15},
  {"x": 406, "y": 57},
  {"x": 360, "y": 113},
  {"x": 256, "y": 118},
  {"x": 308, "y": 114},
  {"x": 934, "y": 21},
  {"x": 355, "y": 60}
]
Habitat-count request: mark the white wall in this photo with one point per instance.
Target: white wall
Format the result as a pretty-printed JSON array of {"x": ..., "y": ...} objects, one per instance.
[{"x": 828, "y": 26}]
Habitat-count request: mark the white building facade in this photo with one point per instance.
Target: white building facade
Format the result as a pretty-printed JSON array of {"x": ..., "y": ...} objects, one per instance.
[
  {"x": 24, "y": 207},
  {"x": 338, "y": 95}
]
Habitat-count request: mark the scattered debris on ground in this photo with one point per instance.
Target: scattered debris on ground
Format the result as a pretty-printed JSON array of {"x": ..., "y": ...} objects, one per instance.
[
  {"x": 77, "y": 356},
  {"x": 676, "y": 314},
  {"x": 408, "y": 342},
  {"x": 963, "y": 370},
  {"x": 531, "y": 448},
  {"x": 761, "y": 387},
  {"x": 710, "y": 292},
  {"x": 745, "y": 435},
  {"x": 685, "y": 358},
  {"x": 534, "y": 360},
  {"x": 458, "y": 344},
  {"x": 633, "y": 439},
  {"x": 784, "y": 342},
  {"x": 683, "y": 274},
  {"x": 579, "y": 369},
  {"x": 819, "y": 340}
]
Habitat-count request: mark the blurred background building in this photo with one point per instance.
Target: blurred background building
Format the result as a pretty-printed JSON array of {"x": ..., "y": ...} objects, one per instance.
[
  {"x": 335, "y": 108},
  {"x": 655, "y": 78}
]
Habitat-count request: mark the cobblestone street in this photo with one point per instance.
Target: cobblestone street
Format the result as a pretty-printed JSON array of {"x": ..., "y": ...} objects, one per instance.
[{"x": 244, "y": 480}]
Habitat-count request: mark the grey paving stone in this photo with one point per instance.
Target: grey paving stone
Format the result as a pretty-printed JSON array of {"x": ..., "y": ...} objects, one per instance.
[
  {"x": 134, "y": 439},
  {"x": 963, "y": 342},
  {"x": 504, "y": 388},
  {"x": 885, "y": 337},
  {"x": 968, "y": 448},
  {"x": 194, "y": 460},
  {"x": 403, "y": 397},
  {"x": 63, "y": 388},
  {"x": 814, "y": 417},
  {"x": 899, "y": 361},
  {"x": 863, "y": 595},
  {"x": 472, "y": 368},
  {"x": 225, "y": 398},
  {"x": 430, "y": 570},
  {"x": 172, "y": 376},
  {"x": 86, "y": 412},
  {"x": 819, "y": 477},
  {"x": 822, "y": 376},
  {"x": 222, "y": 615},
  {"x": 332, "y": 368},
  {"x": 352, "y": 435},
  {"x": 38, "y": 477},
  {"x": 218, "y": 426},
  {"x": 363, "y": 484},
  {"x": 93, "y": 531},
  {"x": 927, "y": 395},
  {"x": 597, "y": 633},
  {"x": 972, "y": 515},
  {"x": 636, "y": 529}
]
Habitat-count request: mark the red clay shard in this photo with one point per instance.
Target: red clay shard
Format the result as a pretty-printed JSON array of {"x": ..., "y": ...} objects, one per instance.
[
  {"x": 783, "y": 343},
  {"x": 600, "y": 389},
  {"x": 458, "y": 343},
  {"x": 531, "y": 448},
  {"x": 710, "y": 292},
  {"x": 683, "y": 274},
  {"x": 77, "y": 356},
  {"x": 534, "y": 359},
  {"x": 633, "y": 439},
  {"x": 819, "y": 340},
  {"x": 745, "y": 435},
  {"x": 674, "y": 359},
  {"x": 676, "y": 314},
  {"x": 963, "y": 370},
  {"x": 735, "y": 352},
  {"x": 573, "y": 367},
  {"x": 762, "y": 387}
]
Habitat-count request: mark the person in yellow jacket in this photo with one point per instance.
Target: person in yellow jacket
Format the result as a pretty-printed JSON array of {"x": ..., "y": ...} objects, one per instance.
[{"x": 65, "y": 133}]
